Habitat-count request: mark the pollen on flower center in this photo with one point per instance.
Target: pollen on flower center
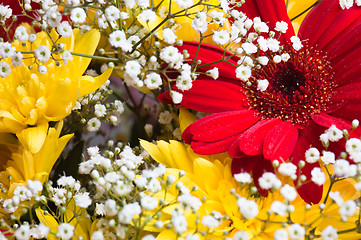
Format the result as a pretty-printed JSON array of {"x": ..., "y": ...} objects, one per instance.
[{"x": 298, "y": 88}]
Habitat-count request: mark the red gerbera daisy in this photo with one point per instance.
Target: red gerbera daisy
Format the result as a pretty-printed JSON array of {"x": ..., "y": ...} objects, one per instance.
[{"x": 319, "y": 86}]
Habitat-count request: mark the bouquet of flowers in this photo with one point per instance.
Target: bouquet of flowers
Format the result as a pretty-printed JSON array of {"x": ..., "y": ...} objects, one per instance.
[{"x": 180, "y": 119}]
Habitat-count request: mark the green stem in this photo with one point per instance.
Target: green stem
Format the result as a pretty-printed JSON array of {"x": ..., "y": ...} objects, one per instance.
[{"x": 96, "y": 57}]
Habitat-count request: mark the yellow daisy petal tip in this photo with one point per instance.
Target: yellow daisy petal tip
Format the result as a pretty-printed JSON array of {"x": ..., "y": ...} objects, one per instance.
[
  {"x": 89, "y": 84},
  {"x": 33, "y": 138},
  {"x": 185, "y": 119}
]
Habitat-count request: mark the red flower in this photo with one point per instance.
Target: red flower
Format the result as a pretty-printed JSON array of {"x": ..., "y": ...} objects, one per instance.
[{"x": 319, "y": 86}]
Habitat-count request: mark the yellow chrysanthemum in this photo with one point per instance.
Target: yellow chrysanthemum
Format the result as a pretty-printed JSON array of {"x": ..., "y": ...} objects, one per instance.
[
  {"x": 29, "y": 100},
  {"x": 18, "y": 165}
]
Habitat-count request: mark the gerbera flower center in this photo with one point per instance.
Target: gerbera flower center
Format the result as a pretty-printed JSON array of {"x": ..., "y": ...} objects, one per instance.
[{"x": 298, "y": 88}]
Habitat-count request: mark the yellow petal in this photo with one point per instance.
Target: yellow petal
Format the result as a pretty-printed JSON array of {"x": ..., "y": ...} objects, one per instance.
[
  {"x": 49, "y": 221},
  {"x": 89, "y": 84},
  {"x": 154, "y": 152},
  {"x": 185, "y": 119},
  {"x": 85, "y": 44},
  {"x": 32, "y": 138}
]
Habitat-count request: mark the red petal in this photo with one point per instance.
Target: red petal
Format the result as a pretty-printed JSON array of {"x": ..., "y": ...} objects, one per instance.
[
  {"x": 349, "y": 111},
  {"x": 347, "y": 92},
  {"x": 214, "y": 96},
  {"x": 318, "y": 20},
  {"x": 210, "y": 54},
  {"x": 263, "y": 166},
  {"x": 270, "y": 11},
  {"x": 327, "y": 121},
  {"x": 245, "y": 163},
  {"x": 207, "y": 148},
  {"x": 251, "y": 140},
  {"x": 280, "y": 142},
  {"x": 219, "y": 126},
  {"x": 234, "y": 151},
  {"x": 310, "y": 192}
]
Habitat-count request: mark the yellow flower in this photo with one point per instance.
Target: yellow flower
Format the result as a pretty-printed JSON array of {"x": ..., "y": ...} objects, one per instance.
[
  {"x": 18, "y": 165},
  {"x": 29, "y": 100},
  {"x": 75, "y": 216}
]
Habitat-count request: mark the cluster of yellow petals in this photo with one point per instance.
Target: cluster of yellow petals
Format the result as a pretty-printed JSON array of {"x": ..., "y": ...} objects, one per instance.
[{"x": 30, "y": 100}]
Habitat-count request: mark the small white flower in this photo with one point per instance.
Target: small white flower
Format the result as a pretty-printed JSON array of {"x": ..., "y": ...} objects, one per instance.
[
  {"x": 153, "y": 80},
  {"x": 176, "y": 97},
  {"x": 97, "y": 235},
  {"x": 64, "y": 29},
  {"x": 148, "y": 203},
  {"x": 189, "y": 202},
  {"x": 217, "y": 16},
  {"x": 179, "y": 222},
  {"x": 112, "y": 13},
  {"x": 23, "y": 232},
  {"x": 82, "y": 200},
  {"x": 312, "y": 155},
  {"x": 347, "y": 209},
  {"x": 169, "y": 36},
  {"x": 249, "y": 48},
  {"x": 329, "y": 233},
  {"x": 279, "y": 208},
  {"x": 334, "y": 134},
  {"x": 5, "y": 69},
  {"x": 296, "y": 43},
  {"x": 318, "y": 176},
  {"x": 184, "y": 3},
  {"x": 110, "y": 207},
  {"x": 328, "y": 157},
  {"x": 288, "y": 192},
  {"x": 221, "y": 37},
  {"x": 240, "y": 235},
  {"x": 263, "y": 60},
  {"x": 287, "y": 169},
  {"x": 295, "y": 231},
  {"x": 66, "y": 56},
  {"x": 214, "y": 73},
  {"x": 243, "y": 72},
  {"x": 117, "y": 38},
  {"x": 39, "y": 232},
  {"x": 42, "y": 53},
  {"x": 42, "y": 69},
  {"x": 281, "y": 234},
  {"x": 5, "y": 11},
  {"x": 273, "y": 44},
  {"x": 346, "y": 4},
  {"x": 93, "y": 124},
  {"x": 22, "y": 34},
  {"x": 34, "y": 186},
  {"x": 78, "y": 15},
  {"x": 262, "y": 85},
  {"x": 65, "y": 231},
  {"x": 342, "y": 168},
  {"x": 200, "y": 23},
  {"x": 285, "y": 57},
  {"x": 100, "y": 110},
  {"x": 6, "y": 50},
  {"x": 165, "y": 117},
  {"x": 260, "y": 26},
  {"x": 281, "y": 27},
  {"x": 269, "y": 181},
  {"x": 210, "y": 222},
  {"x": 147, "y": 15},
  {"x": 248, "y": 208},
  {"x": 277, "y": 59},
  {"x": 243, "y": 177},
  {"x": 17, "y": 59}
]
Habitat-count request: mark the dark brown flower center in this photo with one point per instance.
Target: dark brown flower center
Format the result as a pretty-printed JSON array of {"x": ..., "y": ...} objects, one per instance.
[{"x": 298, "y": 88}]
